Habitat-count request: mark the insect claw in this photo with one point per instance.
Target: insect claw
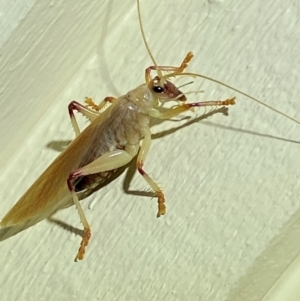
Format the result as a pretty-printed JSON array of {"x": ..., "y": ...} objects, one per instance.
[
  {"x": 161, "y": 210},
  {"x": 161, "y": 204},
  {"x": 230, "y": 101},
  {"x": 189, "y": 56},
  {"x": 186, "y": 61}
]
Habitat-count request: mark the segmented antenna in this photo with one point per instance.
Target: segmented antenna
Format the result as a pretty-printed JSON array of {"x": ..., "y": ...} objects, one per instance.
[{"x": 145, "y": 41}]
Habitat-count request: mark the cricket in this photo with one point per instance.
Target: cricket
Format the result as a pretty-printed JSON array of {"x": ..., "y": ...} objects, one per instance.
[{"x": 118, "y": 133}]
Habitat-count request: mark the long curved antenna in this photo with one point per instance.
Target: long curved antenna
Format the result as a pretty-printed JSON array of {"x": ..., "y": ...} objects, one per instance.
[
  {"x": 145, "y": 41},
  {"x": 232, "y": 88}
]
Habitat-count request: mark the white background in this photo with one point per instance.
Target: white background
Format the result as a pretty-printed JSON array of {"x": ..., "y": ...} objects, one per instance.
[{"x": 231, "y": 183}]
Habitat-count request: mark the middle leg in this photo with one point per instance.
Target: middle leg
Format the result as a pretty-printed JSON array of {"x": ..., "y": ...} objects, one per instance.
[{"x": 140, "y": 162}]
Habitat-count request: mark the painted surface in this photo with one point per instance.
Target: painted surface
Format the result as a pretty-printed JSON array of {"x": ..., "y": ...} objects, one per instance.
[{"x": 231, "y": 183}]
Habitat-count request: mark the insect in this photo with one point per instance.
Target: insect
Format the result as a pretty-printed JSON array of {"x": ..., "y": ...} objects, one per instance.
[{"x": 117, "y": 134}]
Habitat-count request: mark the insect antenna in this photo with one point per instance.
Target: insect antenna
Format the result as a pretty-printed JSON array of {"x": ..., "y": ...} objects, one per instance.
[
  {"x": 186, "y": 84},
  {"x": 159, "y": 73},
  {"x": 234, "y": 89}
]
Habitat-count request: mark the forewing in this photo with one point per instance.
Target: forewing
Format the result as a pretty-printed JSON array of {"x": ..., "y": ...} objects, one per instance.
[{"x": 50, "y": 191}]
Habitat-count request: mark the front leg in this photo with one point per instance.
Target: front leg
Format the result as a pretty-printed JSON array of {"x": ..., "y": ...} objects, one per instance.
[
  {"x": 176, "y": 110},
  {"x": 178, "y": 70}
]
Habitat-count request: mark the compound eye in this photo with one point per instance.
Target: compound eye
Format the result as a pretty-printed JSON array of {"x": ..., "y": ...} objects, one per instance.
[{"x": 158, "y": 89}]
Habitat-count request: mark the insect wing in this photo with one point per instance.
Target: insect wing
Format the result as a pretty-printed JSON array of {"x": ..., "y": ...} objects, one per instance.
[{"x": 50, "y": 192}]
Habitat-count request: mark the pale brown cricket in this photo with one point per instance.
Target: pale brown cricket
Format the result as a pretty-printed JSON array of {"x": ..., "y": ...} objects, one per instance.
[{"x": 116, "y": 135}]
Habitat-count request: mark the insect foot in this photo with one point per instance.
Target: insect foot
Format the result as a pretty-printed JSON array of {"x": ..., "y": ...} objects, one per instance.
[
  {"x": 161, "y": 204},
  {"x": 85, "y": 241},
  {"x": 185, "y": 62}
]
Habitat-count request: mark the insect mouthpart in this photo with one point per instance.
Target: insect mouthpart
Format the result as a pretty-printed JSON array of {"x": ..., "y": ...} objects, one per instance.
[{"x": 166, "y": 91}]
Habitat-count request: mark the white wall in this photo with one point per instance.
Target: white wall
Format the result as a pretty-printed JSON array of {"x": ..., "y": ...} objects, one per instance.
[
  {"x": 231, "y": 183},
  {"x": 11, "y": 16}
]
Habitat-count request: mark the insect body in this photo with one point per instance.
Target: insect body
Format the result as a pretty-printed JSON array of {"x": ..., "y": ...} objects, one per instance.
[
  {"x": 115, "y": 137},
  {"x": 112, "y": 140}
]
